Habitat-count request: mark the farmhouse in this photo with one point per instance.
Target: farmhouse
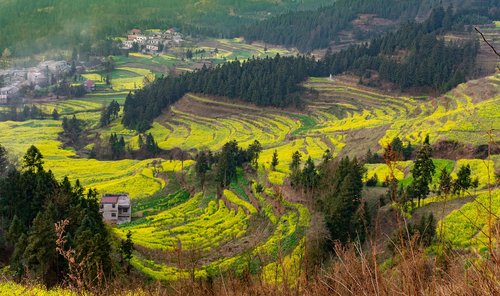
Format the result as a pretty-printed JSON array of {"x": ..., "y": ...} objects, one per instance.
[
  {"x": 141, "y": 39},
  {"x": 8, "y": 92},
  {"x": 152, "y": 47},
  {"x": 89, "y": 85},
  {"x": 128, "y": 44},
  {"x": 37, "y": 77},
  {"x": 135, "y": 32},
  {"x": 116, "y": 208},
  {"x": 56, "y": 67}
]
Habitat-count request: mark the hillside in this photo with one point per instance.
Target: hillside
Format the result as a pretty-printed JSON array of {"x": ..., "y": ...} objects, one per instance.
[
  {"x": 347, "y": 22},
  {"x": 184, "y": 234},
  {"x": 219, "y": 166},
  {"x": 64, "y": 24}
]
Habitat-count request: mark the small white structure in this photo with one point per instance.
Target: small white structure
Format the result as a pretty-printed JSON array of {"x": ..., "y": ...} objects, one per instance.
[
  {"x": 37, "y": 77},
  {"x": 8, "y": 92},
  {"x": 141, "y": 39},
  {"x": 116, "y": 208},
  {"x": 55, "y": 67},
  {"x": 151, "y": 47}
]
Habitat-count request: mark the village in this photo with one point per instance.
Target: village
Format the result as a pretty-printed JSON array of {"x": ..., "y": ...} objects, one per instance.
[
  {"x": 15, "y": 82},
  {"x": 152, "y": 42},
  {"x": 44, "y": 74}
]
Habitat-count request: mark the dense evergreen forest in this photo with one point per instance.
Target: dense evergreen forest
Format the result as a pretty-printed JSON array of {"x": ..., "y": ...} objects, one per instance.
[
  {"x": 28, "y": 27},
  {"x": 31, "y": 202},
  {"x": 413, "y": 56},
  {"x": 317, "y": 29}
]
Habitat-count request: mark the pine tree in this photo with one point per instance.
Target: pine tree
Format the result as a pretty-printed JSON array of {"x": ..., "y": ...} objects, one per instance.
[
  {"x": 40, "y": 253},
  {"x": 15, "y": 230},
  {"x": 126, "y": 249},
  {"x": 343, "y": 200},
  {"x": 202, "y": 167},
  {"x": 55, "y": 114},
  {"x": 422, "y": 171},
  {"x": 445, "y": 182},
  {"x": 463, "y": 181},
  {"x": 274, "y": 161},
  {"x": 295, "y": 175},
  {"x": 397, "y": 147},
  {"x": 309, "y": 177},
  {"x": 253, "y": 152},
  {"x": 4, "y": 161},
  {"x": 296, "y": 158},
  {"x": 33, "y": 160},
  {"x": 327, "y": 156}
]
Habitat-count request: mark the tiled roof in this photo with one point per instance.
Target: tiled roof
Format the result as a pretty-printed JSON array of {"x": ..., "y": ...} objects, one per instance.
[{"x": 112, "y": 199}]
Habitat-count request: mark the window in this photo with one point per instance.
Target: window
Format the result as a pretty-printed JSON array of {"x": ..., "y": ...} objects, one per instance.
[
  {"x": 113, "y": 214},
  {"x": 114, "y": 206},
  {"x": 125, "y": 210}
]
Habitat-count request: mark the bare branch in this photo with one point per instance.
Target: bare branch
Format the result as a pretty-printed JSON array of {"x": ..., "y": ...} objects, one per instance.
[{"x": 487, "y": 42}]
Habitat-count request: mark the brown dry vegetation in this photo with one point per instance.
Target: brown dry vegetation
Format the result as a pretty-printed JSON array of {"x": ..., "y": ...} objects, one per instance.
[{"x": 354, "y": 271}]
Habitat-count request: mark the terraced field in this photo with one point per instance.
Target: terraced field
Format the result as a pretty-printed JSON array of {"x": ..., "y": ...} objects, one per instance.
[
  {"x": 205, "y": 236},
  {"x": 464, "y": 114},
  {"x": 133, "y": 176}
]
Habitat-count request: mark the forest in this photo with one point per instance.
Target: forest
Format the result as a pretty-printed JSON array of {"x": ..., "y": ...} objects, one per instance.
[
  {"x": 32, "y": 201},
  {"x": 311, "y": 30},
  {"x": 428, "y": 62}
]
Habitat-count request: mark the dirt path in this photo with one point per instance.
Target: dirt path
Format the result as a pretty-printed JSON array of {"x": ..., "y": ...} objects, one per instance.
[{"x": 440, "y": 209}]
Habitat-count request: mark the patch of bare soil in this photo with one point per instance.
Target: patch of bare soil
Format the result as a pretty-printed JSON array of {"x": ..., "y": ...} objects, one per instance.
[
  {"x": 369, "y": 137},
  {"x": 479, "y": 89},
  {"x": 440, "y": 209},
  {"x": 370, "y": 22}
]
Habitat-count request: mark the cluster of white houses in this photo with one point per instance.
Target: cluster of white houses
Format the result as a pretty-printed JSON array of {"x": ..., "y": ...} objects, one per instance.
[
  {"x": 116, "y": 208},
  {"x": 39, "y": 76},
  {"x": 153, "y": 42}
]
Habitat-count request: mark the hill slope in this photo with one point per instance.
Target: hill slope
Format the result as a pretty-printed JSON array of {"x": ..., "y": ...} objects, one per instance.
[{"x": 27, "y": 26}]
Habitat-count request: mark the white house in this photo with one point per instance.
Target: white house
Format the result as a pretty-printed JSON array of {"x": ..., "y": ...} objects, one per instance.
[
  {"x": 55, "y": 67},
  {"x": 8, "y": 92},
  {"x": 152, "y": 47},
  {"x": 37, "y": 77},
  {"x": 116, "y": 208},
  {"x": 141, "y": 39}
]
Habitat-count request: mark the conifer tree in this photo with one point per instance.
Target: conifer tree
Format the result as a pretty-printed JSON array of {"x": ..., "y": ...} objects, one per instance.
[
  {"x": 274, "y": 161},
  {"x": 55, "y": 114},
  {"x": 445, "y": 182},
  {"x": 309, "y": 177},
  {"x": 422, "y": 171},
  {"x": 463, "y": 181},
  {"x": 4, "y": 161},
  {"x": 202, "y": 167},
  {"x": 126, "y": 249}
]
